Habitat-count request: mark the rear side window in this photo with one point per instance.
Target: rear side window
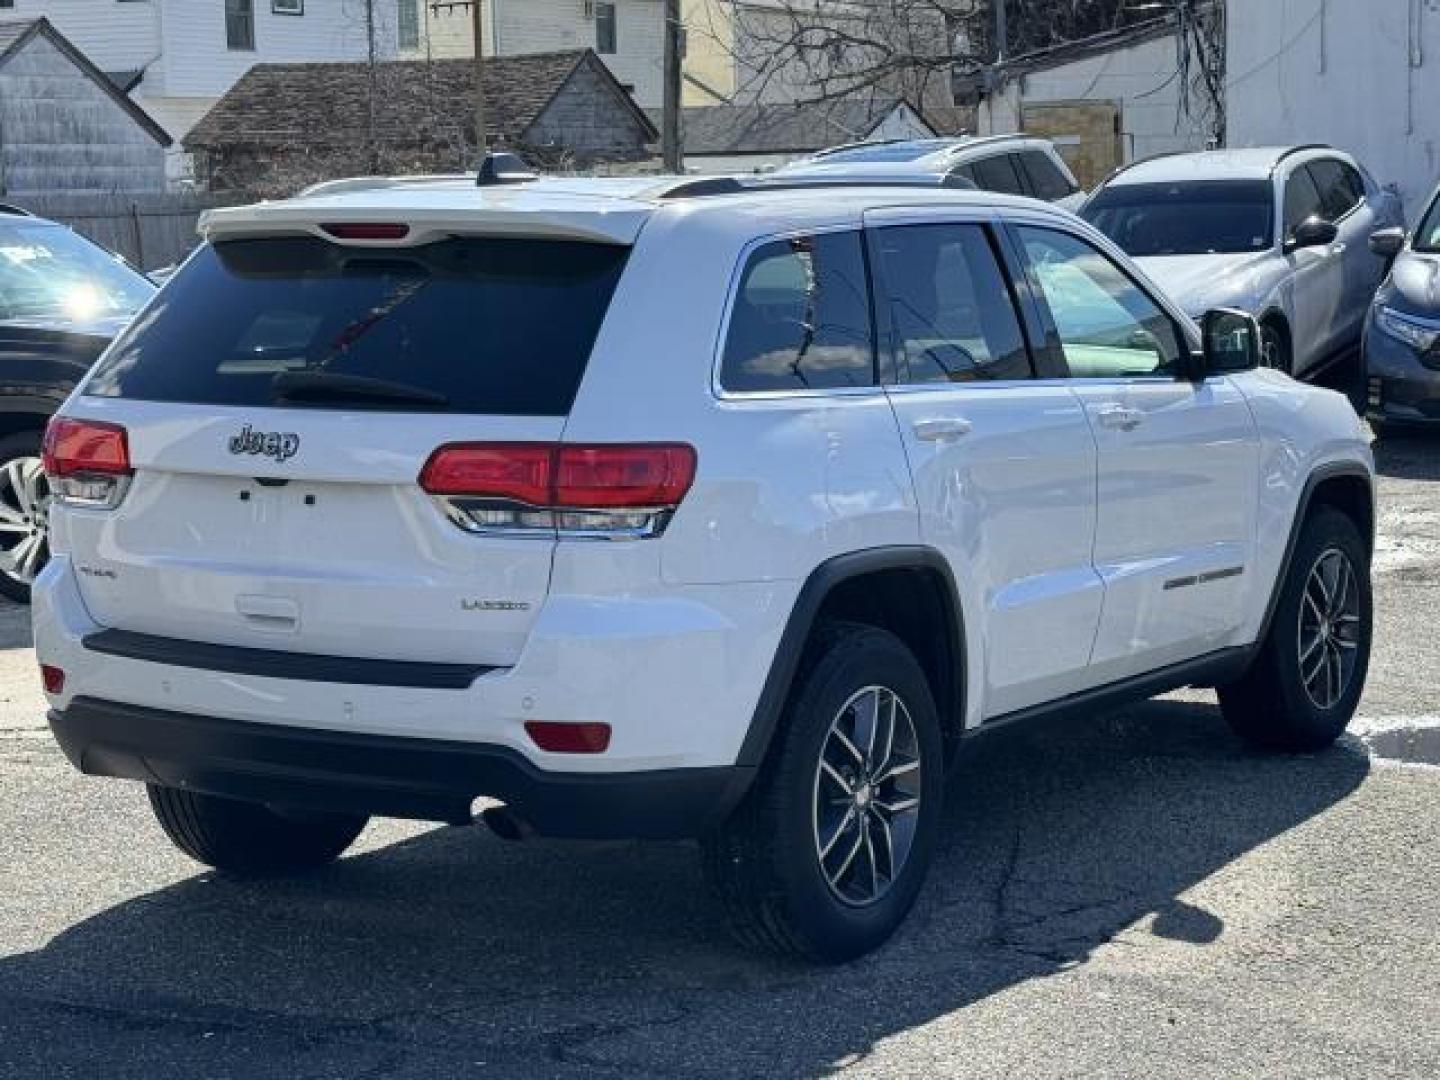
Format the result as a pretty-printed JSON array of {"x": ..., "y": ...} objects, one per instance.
[
  {"x": 951, "y": 315},
  {"x": 998, "y": 174},
  {"x": 1046, "y": 179},
  {"x": 474, "y": 325},
  {"x": 801, "y": 318}
]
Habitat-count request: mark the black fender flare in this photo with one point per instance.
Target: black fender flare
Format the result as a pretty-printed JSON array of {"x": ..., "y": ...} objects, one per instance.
[{"x": 822, "y": 580}]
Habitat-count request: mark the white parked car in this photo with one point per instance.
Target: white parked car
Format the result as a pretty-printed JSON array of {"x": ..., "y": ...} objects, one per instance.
[
  {"x": 649, "y": 515},
  {"x": 1282, "y": 233},
  {"x": 1015, "y": 164}
]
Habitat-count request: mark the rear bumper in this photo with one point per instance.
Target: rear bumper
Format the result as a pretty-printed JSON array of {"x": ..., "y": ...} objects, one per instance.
[{"x": 392, "y": 776}]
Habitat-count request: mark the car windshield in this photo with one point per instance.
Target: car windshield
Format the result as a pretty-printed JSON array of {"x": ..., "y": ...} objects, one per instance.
[
  {"x": 1427, "y": 236},
  {"x": 50, "y": 274},
  {"x": 907, "y": 151},
  {"x": 1199, "y": 218}
]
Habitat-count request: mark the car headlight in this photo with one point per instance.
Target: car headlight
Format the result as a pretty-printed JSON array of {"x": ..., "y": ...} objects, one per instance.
[{"x": 1420, "y": 336}]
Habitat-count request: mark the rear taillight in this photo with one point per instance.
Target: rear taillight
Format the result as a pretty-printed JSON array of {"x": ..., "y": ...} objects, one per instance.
[
  {"x": 87, "y": 462},
  {"x": 52, "y": 678},
  {"x": 565, "y": 738},
  {"x": 606, "y": 490}
]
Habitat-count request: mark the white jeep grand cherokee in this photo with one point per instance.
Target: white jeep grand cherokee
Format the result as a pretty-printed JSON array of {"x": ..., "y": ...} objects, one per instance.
[{"x": 674, "y": 509}]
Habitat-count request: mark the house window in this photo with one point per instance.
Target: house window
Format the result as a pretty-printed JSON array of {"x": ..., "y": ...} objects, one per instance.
[
  {"x": 606, "y": 38},
  {"x": 408, "y": 23},
  {"x": 240, "y": 25},
  {"x": 287, "y": 7}
]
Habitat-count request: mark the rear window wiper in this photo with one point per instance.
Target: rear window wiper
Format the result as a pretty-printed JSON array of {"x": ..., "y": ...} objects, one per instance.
[{"x": 336, "y": 386}]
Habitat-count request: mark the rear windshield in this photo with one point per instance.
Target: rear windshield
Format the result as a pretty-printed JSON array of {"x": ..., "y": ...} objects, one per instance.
[
  {"x": 476, "y": 326},
  {"x": 1193, "y": 218},
  {"x": 51, "y": 275}
]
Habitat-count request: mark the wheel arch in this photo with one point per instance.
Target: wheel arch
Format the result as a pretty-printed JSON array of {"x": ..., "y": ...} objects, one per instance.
[
  {"x": 908, "y": 590},
  {"x": 26, "y": 412}
]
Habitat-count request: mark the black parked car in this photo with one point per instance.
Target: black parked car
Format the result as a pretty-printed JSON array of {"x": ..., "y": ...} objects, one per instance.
[{"x": 62, "y": 299}]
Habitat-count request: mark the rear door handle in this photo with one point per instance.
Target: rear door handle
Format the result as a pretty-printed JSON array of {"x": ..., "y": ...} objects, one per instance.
[
  {"x": 941, "y": 429},
  {"x": 1118, "y": 417}
]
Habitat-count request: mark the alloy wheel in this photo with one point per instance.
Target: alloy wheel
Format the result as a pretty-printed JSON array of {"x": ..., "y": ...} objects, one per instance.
[
  {"x": 1329, "y": 630},
  {"x": 867, "y": 796},
  {"x": 24, "y": 519}
]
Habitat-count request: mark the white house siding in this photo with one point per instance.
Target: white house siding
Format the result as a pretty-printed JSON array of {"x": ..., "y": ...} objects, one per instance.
[
  {"x": 1140, "y": 79},
  {"x": 60, "y": 132},
  {"x": 115, "y": 36},
  {"x": 1362, "y": 75}
]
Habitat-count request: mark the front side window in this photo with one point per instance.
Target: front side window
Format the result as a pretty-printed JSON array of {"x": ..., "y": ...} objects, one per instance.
[
  {"x": 1046, "y": 179},
  {"x": 408, "y": 24},
  {"x": 1302, "y": 201},
  {"x": 607, "y": 35},
  {"x": 240, "y": 25},
  {"x": 801, "y": 318},
  {"x": 1192, "y": 218},
  {"x": 1108, "y": 328},
  {"x": 950, "y": 312},
  {"x": 1340, "y": 187}
]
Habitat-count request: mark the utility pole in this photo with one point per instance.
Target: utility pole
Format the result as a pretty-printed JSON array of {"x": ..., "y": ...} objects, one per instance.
[
  {"x": 477, "y": 31},
  {"x": 1002, "y": 31},
  {"x": 670, "y": 143}
]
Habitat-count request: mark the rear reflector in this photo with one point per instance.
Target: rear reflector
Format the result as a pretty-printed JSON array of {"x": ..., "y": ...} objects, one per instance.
[
  {"x": 367, "y": 230},
  {"x": 564, "y": 476},
  {"x": 53, "y": 678},
  {"x": 569, "y": 738},
  {"x": 74, "y": 447}
]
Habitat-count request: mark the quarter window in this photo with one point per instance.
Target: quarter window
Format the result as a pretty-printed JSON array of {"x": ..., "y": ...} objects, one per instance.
[
  {"x": 801, "y": 318},
  {"x": 1108, "y": 328},
  {"x": 950, "y": 311}
]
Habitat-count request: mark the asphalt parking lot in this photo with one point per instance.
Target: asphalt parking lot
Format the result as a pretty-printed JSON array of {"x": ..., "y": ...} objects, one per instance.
[{"x": 1133, "y": 895}]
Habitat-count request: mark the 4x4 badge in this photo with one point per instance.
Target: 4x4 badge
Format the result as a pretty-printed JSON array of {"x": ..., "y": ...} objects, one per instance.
[{"x": 280, "y": 445}]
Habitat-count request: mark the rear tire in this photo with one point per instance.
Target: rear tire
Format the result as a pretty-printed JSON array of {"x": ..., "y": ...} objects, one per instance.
[
  {"x": 247, "y": 838},
  {"x": 877, "y": 811},
  {"x": 1306, "y": 682}
]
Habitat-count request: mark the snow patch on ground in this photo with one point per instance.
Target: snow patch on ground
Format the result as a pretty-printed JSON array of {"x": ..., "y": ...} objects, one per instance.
[{"x": 1405, "y": 740}]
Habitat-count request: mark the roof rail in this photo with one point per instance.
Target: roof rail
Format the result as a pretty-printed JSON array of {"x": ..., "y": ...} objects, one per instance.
[
  {"x": 17, "y": 211},
  {"x": 377, "y": 183},
  {"x": 1303, "y": 148},
  {"x": 702, "y": 186},
  {"x": 842, "y": 147}
]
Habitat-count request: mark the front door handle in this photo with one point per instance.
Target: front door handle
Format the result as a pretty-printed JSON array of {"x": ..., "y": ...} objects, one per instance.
[
  {"x": 1118, "y": 417},
  {"x": 941, "y": 429}
]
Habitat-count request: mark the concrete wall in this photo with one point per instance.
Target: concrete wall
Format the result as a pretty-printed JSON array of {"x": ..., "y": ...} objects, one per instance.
[
  {"x": 62, "y": 133},
  {"x": 1363, "y": 75},
  {"x": 1141, "y": 79}
]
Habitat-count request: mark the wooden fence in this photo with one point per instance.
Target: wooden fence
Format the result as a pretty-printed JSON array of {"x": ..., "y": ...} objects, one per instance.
[{"x": 151, "y": 230}]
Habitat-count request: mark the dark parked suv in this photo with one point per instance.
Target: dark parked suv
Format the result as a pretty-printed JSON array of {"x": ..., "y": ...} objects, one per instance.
[{"x": 62, "y": 299}]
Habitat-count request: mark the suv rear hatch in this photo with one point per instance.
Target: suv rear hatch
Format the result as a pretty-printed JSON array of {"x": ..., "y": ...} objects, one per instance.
[{"x": 279, "y": 402}]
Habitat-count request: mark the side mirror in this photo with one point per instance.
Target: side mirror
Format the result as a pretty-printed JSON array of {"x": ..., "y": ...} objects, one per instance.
[
  {"x": 1232, "y": 341},
  {"x": 1387, "y": 243},
  {"x": 1313, "y": 232}
]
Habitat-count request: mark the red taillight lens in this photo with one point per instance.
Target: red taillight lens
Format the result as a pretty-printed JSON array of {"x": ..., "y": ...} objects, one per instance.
[
  {"x": 74, "y": 447},
  {"x": 569, "y": 738},
  {"x": 518, "y": 471},
  {"x": 551, "y": 476},
  {"x": 367, "y": 230},
  {"x": 623, "y": 477},
  {"x": 53, "y": 678}
]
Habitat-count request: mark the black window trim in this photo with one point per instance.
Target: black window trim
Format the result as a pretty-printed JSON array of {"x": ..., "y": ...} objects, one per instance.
[
  {"x": 1020, "y": 301},
  {"x": 732, "y": 294},
  {"x": 1056, "y": 360}
]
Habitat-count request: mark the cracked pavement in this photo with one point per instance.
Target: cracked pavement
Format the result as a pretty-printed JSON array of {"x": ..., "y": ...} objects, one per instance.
[{"x": 1133, "y": 895}]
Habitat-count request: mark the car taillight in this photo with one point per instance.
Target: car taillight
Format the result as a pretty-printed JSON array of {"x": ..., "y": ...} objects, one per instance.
[
  {"x": 87, "y": 462},
  {"x": 607, "y": 490}
]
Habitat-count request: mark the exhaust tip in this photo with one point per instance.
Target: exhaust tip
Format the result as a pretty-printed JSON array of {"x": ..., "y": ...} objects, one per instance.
[{"x": 505, "y": 824}]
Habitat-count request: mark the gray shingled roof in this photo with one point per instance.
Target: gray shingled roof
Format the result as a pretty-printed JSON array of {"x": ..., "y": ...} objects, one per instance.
[
  {"x": 322, "y": 105},
  {"x": 781, "y": 129}
]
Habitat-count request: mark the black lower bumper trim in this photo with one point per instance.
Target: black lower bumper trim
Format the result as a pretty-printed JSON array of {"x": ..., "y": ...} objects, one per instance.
[
  {"x": 390, "y": 776},
  {"x": 277, "y": 664}
]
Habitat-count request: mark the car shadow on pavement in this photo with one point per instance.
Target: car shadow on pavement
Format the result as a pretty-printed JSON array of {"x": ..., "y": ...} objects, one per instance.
[
  {"x": 1408, "y": 455},
  {"x": 548, "y": 958}
]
